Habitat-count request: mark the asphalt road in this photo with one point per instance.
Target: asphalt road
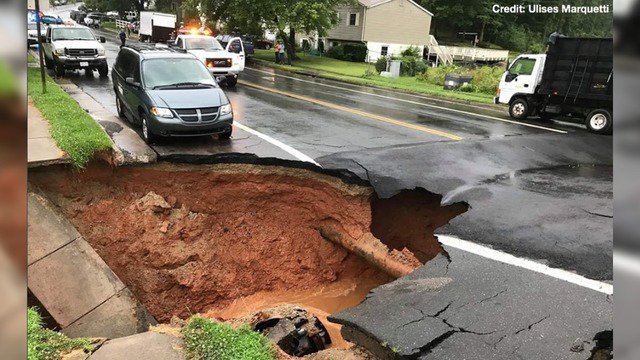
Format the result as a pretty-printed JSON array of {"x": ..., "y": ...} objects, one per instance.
[{"x": 541, "y": 190}]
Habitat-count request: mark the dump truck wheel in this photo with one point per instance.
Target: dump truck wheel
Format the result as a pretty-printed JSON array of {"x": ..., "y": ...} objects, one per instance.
[
  {"x": 599, "y": 121},
  {"x": 519, "y": 109}
]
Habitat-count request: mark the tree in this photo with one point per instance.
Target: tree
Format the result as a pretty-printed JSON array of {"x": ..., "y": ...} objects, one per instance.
[{"x": 285, "y": 17}]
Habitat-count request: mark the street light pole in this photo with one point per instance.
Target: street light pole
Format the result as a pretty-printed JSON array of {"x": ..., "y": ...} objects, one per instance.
[{"x": 38, "y": 27}]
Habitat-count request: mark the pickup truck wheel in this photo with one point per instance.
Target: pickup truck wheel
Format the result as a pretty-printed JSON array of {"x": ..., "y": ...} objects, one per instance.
[
  {"x": 59, "y": 70},
  {"x": 231, "y": 81},
  {"x": 48, "y": 63},
  {"x": 519, "y": 109},
  {"x": 599, "y": 121},
  {"x": 148, "y": 135},
  {"x": 225, "y": 135},
  {"x": 103, "y": 70}
]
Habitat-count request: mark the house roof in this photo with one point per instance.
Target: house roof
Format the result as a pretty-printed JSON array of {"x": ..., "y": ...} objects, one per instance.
[{"x": 374, "y": 3}]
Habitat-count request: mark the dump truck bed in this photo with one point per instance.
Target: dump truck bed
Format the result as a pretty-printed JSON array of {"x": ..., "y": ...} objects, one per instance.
[{"x": 579, "y": 69}]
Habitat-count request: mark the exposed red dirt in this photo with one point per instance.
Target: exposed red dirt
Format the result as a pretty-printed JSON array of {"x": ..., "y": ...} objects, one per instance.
[{"x": 227, "y": 239}]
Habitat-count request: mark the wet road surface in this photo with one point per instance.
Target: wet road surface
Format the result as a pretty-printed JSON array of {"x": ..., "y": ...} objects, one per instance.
[{"x": 541, "y": 190}]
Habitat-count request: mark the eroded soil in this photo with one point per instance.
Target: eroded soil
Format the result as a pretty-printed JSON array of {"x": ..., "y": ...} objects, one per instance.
[{"x": 229, "y": 239}]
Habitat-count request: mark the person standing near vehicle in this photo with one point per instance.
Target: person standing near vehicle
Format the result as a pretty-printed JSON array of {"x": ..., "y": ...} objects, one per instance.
[
  {"x": 281, "y": 53},
  {"x": 123, "y": 37},
  {"x": 276, "y": 48}
]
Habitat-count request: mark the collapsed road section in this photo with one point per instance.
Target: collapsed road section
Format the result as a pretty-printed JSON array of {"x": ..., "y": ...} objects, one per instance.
[{"x": 229, "y": 239}]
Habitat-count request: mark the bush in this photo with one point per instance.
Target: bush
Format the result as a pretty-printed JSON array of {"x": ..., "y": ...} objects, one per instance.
[
  {"x": 411, "y": 66},
  {"x": 381, "y": 64},
  {"x": 207, "y": 339},
  {"x": 411, "y": 51},
  {"x": 336, "y": 52},
  {"x": 485, "y": 78},
  {"x": 348, "y": 52}
]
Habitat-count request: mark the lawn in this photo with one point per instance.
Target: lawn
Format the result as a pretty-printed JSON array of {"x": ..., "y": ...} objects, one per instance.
[
  {"x": 45, "y": 344},
  {"x": 356, "y": 73},
  {"x": 207, "y": 339},
  {"x": 73, "y": 130},
  {"x": 110, "y": 26}
]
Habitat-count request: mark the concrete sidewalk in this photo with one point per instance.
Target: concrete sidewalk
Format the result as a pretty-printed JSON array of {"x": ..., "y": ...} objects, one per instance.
[{"x": 42, "y": 149}]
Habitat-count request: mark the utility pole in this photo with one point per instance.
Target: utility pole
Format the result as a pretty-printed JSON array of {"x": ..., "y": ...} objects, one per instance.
[{"x": 38, "y": 27}]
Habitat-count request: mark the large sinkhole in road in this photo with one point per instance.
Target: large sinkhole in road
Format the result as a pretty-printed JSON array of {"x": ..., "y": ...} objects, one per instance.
[{"x": 227, "y": 239}]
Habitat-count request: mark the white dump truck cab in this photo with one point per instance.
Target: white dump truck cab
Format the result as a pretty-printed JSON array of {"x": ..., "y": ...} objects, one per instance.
[
  {"x": 521, "y": 78},
  {"x": 225, "y": 63}
]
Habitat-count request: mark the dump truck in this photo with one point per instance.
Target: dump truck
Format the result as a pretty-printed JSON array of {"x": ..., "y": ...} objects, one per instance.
[
  {"x": 573, "y": 79},
  {"x": 156, "y": 27}
]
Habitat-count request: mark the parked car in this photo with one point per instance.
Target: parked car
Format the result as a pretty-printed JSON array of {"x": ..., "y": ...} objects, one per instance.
[
  {"x": 51, "y": 20},
  {"x": 247, "y": 44},
  {"x": 78, "y": 16},
  {"x": 169, "y": 93},
  {"x": 95, "y": 19},
  {"x": 32, "y": 33},
  {"x": 71, "y": 47}
]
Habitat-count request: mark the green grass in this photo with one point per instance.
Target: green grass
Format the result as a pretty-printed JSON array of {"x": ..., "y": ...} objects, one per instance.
[
  {"x": 356, "y": 73},
  {"x": 206, "y": 339},
  {"x": 73, "y": 130},
  {"x": 45, "y": 344},
  {"x": 30, "y": 58},
  {"x": 110, "y": 25}
]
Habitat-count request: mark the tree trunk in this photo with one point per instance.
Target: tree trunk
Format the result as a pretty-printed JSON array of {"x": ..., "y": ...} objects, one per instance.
[
  {"x": 484, "y": 24},
  {"x": 291, "y": 47}
]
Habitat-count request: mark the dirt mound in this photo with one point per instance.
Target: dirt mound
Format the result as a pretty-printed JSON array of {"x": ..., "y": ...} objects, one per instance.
[{"x": 190, "y": 239}]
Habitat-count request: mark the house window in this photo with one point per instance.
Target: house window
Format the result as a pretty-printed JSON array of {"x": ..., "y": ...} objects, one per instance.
[
  {"x": 384, "y": 50},
  {"x": 353, "y": 19}
]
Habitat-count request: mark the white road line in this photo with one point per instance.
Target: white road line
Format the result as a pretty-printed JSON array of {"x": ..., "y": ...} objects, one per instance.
[
  {"x": 297, "y": 154},
  {"x": 500, "y": 256},
  {"x": 415, "y": 102}
]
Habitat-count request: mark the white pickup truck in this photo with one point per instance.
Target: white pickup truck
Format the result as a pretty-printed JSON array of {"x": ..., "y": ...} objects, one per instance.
[
  {"x": 72, "y": 47},
  {"x": 224, "y": 63}
]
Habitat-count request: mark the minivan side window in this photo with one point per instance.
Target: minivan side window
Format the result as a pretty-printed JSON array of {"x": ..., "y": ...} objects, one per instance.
[{"x": 126, "y": 64}]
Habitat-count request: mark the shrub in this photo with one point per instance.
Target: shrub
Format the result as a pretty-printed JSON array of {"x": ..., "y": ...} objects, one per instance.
[
  {"x": 336, "y": 52},
  {"x": 411, "y": 66},
  {"x": 381, "y": 64},
  {"x": 207, "y": 339},
  {"x": 411, "y": 51},
  {"x": 348, "y": 52},
  {"x": 355, "y": 52}
]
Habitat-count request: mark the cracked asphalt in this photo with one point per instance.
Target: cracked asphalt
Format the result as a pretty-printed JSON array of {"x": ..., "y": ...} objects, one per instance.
[{"x": 538, "y": 190}]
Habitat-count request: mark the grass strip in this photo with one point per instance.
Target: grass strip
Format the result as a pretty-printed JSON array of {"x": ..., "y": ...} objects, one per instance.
[
  {"x": 45, "y": 344},
  {"x": 355, "y": 73},
  {"x": 206, "y": 339},
  {"x": 73, "y": 130}
]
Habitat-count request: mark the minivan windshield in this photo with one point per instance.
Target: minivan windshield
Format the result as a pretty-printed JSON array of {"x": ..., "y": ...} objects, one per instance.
[
  {"x": 204, "y": 43},
  {"x": 174, "y": 73},
  {"x": 71, "y": 34}
]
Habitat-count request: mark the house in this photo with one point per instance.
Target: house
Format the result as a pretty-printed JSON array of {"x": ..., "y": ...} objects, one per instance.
[{"x": 386, "y": 26}]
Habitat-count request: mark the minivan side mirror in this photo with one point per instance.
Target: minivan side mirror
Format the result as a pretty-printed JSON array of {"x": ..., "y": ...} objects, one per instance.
[
  {"x": 43, "y": 38},
  {"x": 103, "y": 39},
  {"x": 130, "y": 81}
]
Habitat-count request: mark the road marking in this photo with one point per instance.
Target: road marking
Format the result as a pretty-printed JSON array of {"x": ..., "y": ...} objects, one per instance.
[
  {"x": 297, "y": 154},
  {"x": 416, "y": 102},
  {"x": 354, "y": 111},
  {"x": 500, "y": 256}
]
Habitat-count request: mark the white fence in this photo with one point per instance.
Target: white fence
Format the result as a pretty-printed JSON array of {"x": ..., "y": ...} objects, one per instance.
[
  {"x": 460, "y": 53},
  {"x": 121, "y": 24}
]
